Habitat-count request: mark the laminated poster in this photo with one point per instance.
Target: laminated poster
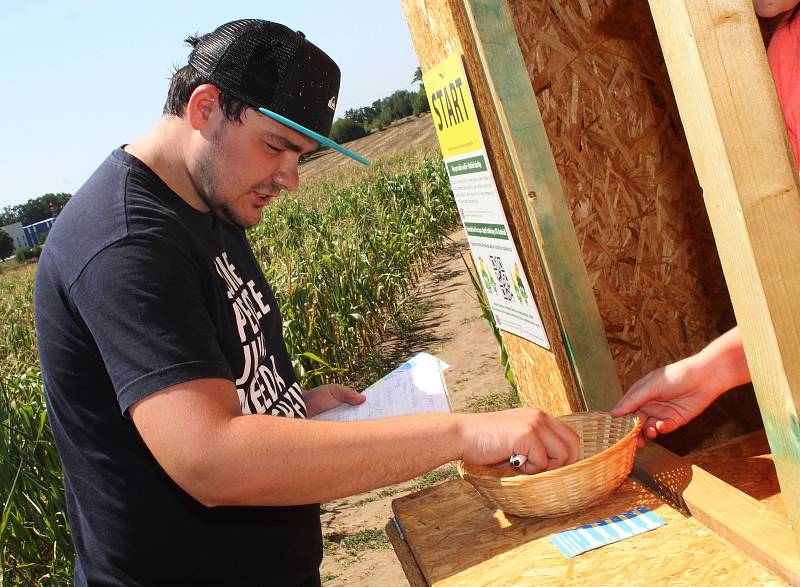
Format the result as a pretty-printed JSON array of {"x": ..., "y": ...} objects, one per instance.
[{"x": 478, "y": 201}]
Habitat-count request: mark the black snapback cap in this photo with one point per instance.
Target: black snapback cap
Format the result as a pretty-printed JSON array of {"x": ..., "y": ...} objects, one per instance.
[{"x": 276, "y": 71}]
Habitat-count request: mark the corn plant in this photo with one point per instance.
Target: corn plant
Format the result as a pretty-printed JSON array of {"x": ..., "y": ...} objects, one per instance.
[
  {"x": 486, "y": 311},
  {"x": 342, "y": 260},
  {"x": 17, "y": 338},
  {"x": 34, "y": 534}
]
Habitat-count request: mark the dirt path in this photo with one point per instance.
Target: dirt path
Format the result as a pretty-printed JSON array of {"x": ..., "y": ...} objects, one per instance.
[{"x": 451, "y": 327}]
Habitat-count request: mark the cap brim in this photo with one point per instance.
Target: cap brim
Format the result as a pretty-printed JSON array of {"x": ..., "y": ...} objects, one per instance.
[{"x": 314, "y": 135}]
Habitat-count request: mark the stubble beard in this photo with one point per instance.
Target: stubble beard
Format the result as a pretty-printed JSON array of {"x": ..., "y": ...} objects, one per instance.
[{"x": 207, "y": 181}]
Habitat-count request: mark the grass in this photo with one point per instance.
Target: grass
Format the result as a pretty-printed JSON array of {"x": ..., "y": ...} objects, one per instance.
[
  {"x": 348, "y": 549},
  {"x": 353, "y": 544},
  {"x": 13, "y": 264},
  {"x": 18, "y": 353},
  {"x": 438, "y": 475},
  {"x": 370, "y": 539},
  {"x": 493, "y": 402},
  {"x": 34, "y": 534}
]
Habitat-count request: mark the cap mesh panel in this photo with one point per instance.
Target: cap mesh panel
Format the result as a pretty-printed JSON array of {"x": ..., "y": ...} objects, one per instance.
[{"x": 267, "y": 64}]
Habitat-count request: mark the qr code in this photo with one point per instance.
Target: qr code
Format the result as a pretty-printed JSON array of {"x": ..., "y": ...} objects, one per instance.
[{"x": 502, "y": 279}]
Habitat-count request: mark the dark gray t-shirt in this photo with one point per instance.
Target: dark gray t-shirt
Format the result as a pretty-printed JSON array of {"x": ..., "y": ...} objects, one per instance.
[{"x": 137, "y": 291}]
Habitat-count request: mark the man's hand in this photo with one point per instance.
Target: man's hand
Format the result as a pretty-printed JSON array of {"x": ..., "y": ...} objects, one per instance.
[
  {"x": 326, "y": 397},
  {"x": 492, "y": 438}
]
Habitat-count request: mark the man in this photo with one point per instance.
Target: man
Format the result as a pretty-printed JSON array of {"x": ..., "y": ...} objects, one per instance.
[{"x": 187, "y": 454}]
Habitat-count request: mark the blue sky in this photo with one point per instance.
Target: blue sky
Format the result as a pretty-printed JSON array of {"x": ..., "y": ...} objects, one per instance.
[{"x": 81, "y": 77}]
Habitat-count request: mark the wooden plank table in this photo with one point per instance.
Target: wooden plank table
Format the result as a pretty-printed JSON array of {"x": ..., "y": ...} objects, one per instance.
[{"x": 451, "y": 536}]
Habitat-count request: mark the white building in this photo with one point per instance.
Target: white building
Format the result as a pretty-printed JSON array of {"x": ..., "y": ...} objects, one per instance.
[{"x": 17, "y": 233}]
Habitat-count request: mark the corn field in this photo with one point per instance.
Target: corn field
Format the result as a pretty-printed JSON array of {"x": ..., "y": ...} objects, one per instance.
[
  {"x": 342, "y": 259},
  {"x": 341, "y": 255}
]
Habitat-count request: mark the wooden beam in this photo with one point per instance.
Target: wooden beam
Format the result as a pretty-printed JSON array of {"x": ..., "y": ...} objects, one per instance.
[
  {"x": 539, "y": 193},
  {"x": 745, "y": 522},
  {"x": 733, "y": 123}
]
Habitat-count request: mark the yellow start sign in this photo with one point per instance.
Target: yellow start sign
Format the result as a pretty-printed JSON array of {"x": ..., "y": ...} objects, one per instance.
[
  {"x": 475, "y": 191},
  {"x": 452, "y": 108}
]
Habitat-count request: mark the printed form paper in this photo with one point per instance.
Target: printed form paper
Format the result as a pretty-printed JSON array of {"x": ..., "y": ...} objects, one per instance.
[{"x": 415, "y": 387}]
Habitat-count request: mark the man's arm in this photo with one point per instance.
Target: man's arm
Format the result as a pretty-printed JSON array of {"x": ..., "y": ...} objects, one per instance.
[{"x": 198, "y": 435}]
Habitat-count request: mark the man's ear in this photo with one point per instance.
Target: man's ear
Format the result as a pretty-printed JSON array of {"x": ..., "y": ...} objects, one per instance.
[{"x": 203, "y": 102}]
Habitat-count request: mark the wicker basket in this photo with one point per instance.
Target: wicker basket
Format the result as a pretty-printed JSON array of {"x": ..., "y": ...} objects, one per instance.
[{"x": 608, "y": 446}]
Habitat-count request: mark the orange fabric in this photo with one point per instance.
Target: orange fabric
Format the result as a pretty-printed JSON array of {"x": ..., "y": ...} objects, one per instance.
[{"x": 784, "y": 57}]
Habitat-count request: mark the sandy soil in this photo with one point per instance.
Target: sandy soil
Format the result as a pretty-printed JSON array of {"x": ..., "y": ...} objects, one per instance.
[{"x": 454, "y": 330}]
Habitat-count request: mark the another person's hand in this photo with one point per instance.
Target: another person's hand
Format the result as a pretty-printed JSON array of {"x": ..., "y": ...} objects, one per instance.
[
  {"x": 326, "y": 397},
  {"x": 490, "y": 439},
  {"x": 671, "y": 396},
  {"x": 667, "y": 398}
]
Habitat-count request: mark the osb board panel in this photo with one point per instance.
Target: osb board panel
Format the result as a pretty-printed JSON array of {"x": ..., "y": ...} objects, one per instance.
[
  {"x": 544, "y": 378},
  {"x": 625, "y": 168},
  {"x": 407, "y": 561},
  {"x": 614, "y": 129},
  {"x": 540, "y": 382},
  {"x": 745, "y": 463},
  {"x": 457, "y": 539}
]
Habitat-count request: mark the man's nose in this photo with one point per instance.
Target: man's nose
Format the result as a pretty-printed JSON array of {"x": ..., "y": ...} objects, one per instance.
[{"x": 287, "y": 175}]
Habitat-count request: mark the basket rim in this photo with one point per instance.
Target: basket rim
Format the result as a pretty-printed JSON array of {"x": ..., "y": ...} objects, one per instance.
[{"x": 565, "y": 469}]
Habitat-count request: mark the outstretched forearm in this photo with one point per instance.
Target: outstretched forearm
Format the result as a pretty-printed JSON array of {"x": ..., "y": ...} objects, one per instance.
[
  {"x": 722, "y": 363},
  {"x": 221, "y": 457},
  {"x": 281, "y": 461}
]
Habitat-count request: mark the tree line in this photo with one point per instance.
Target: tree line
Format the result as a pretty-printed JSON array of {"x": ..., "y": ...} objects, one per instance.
[
  {"x": 359, "y": 122},
  {"x": 34, "y": 210}
]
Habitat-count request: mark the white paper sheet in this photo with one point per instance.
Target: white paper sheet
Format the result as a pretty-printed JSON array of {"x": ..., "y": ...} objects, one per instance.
[{"x": 415, "y": 387}]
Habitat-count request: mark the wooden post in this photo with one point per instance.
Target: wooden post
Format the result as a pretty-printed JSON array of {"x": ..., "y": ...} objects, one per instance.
[
  {"x": 733, "y": 123},
  {"x": 540, "y": 194}
]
